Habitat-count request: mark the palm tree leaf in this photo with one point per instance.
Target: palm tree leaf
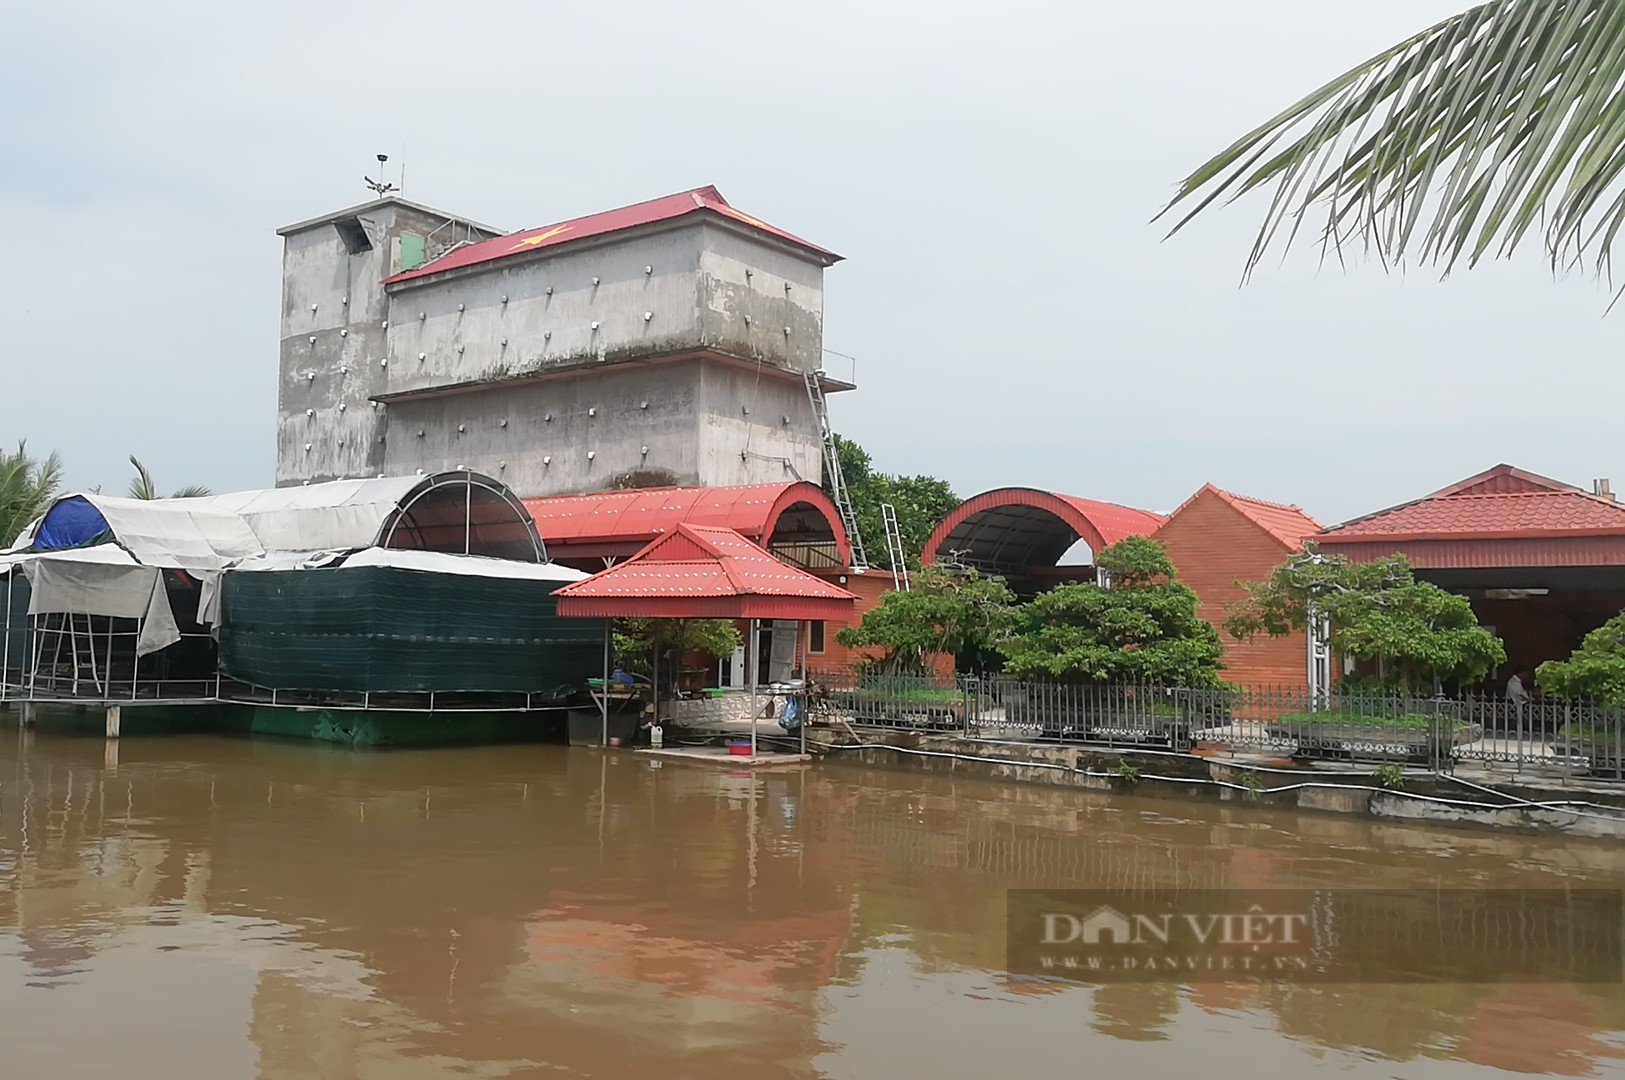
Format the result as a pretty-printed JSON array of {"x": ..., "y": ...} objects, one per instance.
[
  {"x": 1459, "y": 142},
  {"x": 142, "y": 486}
]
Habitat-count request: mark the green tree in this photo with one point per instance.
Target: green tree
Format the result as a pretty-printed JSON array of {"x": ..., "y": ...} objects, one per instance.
[
  {"x": 27, "y": 486},
  {"x": 1142, "y": 628},
  {"x": 961, "y": 614},
  {"x": 921, "y": 502},
  {"x": 1458, "y": 141},
  {"x": 1595, "y": 670},
  {"x": 638, "y": 640},
  {"x": 144, "y": 487},
  {"x": 1376, "y": 611}
]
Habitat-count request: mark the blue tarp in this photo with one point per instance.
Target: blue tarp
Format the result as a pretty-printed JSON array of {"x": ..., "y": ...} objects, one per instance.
[{"x": 70, "y": 523}]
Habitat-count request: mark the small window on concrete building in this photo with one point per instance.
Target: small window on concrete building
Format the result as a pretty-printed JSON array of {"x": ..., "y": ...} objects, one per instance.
[
  {"x": 354, "y": 236},
  {"x": 815, "y": 637}
]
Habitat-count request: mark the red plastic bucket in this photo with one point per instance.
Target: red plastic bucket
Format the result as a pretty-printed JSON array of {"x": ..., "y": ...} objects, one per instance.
[{"x": 739, "y": 749}]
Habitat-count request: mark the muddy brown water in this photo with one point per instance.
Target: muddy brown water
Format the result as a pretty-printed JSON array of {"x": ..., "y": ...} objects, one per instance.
[{"x": 218, "y": 908}]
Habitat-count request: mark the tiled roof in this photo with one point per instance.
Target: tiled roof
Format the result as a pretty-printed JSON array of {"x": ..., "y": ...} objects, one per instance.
[
  {"x": 1501, "y": 503},
  {"x": 699, "y": 571},
  {"x": 698, "y": 200},
  {"x": 1291, "y": 525}
]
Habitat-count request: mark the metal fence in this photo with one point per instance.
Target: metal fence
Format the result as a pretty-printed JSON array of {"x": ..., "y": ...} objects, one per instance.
[{"x": 1572, "y": 737}]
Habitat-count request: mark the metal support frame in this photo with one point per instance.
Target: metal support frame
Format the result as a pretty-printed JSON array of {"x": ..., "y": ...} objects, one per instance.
[{"x": 753, "y": 664}]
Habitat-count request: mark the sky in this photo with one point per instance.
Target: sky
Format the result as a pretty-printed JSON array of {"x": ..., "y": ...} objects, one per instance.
[{"x": 988, "y": 170}]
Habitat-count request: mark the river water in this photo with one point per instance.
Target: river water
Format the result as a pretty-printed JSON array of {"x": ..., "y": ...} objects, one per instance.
[{"x": 215, "y": 908}]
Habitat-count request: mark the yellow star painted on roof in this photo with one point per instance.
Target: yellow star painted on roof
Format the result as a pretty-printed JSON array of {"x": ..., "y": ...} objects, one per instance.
[{"x": 540, "y": 238}]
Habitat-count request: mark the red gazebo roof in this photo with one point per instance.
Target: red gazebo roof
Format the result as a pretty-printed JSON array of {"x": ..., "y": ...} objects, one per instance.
[{"x": 701, "y": 572}]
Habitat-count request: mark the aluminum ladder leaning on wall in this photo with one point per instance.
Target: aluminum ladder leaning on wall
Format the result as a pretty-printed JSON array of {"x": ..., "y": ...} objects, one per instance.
[
  {"x": 894, "y": 547},
  {"x": 832, "y": 464}
]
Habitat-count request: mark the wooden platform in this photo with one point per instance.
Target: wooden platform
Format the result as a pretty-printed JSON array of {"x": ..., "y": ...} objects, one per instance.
[{"x": 718, "y": 755}]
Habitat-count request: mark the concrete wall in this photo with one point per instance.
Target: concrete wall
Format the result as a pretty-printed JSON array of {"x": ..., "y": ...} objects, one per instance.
[
  {"x": 523, "y": 368},
  {"x": 752, "y": 292},
  {"x": 333, "y": 339},
  {"x": 650, "y": 294},
  {"x": 645, "y": 425}
]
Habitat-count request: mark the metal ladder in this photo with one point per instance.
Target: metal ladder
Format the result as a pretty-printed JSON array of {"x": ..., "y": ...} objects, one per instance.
[
  {"x": 894, "y": 547},
  {"x": 832, "y": 466}
]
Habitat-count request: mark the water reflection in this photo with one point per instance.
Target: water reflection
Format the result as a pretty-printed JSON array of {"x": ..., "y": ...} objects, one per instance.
[{"x": 209, "y": 907}]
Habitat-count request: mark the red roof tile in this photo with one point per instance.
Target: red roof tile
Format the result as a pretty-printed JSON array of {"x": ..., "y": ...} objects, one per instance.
[
  {"x": 705, "y": 199},
  {"x": 1502, "y": 503},
  {"x": 1290, "y": 525},
  {"x": 636, "y": 517},
  {"x": 708, "y": 573}
]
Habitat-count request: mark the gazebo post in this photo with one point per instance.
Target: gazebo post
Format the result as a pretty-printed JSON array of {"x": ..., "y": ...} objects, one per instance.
[
  {"x": 753, "y": 664},
  {"x": 805, "y": 634},
  {"x": 655, "y": 682},
  {"x": 603, "y": 698}
]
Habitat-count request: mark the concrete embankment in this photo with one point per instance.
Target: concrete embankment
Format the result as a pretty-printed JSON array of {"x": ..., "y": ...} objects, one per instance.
[{"x": 1420, "y": 796}]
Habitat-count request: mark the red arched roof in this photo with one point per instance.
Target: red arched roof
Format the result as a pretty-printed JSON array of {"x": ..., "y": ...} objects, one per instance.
[
  {"x": 620, "y": 523},
  {"x": 1007, "y": 530}
]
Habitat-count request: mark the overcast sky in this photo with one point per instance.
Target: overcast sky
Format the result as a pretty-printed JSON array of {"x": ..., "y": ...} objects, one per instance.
[{"x": 988, "y": 170}]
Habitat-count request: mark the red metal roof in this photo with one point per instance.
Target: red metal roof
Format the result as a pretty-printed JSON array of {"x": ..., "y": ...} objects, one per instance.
[
  {"x": 1501, "y": 517},
  {"x": 701, "y": 572},
  {"x": 620, "y": 522},
  {"x": 1500, "y": 504},
  {"x": 1025, "y": 527},
  {"x": 1290, "y": 525},
  {"x": 665, "y": 208}
]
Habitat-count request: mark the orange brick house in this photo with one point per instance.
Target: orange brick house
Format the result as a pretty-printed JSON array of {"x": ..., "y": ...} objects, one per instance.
[{"x": 1217, "y": 538}]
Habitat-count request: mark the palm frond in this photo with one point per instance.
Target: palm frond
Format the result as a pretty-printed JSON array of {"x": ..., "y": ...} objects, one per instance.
[
  {"x": 142, "y": 486},
  {"x": 1457, "y": 142},
  {"x": 192, "y": 491},
  {"x": 27, "y": 488}
]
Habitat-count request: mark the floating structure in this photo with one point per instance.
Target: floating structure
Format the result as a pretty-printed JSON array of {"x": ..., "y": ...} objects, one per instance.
[
  {"x": 702, "y": 572},
  {"x": 364, "y": 611}
]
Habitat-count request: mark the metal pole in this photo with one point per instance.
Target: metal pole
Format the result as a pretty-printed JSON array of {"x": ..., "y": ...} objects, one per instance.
[
  {"x": 604, "y": 695},
  {"x": 5, "y": 650},
  {"x": 654, "y": 707},
  {"x": 753, "y": 661},
  {"x": 468, "y": 512},
  {"x": 806, "y": 646}
]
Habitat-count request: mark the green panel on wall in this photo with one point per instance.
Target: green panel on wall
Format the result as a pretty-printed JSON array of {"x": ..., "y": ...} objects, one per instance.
[{"x": 411, "y": 251}]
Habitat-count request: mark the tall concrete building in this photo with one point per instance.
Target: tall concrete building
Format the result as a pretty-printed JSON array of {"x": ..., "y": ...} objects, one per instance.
[{"x": 663, "y": 343}]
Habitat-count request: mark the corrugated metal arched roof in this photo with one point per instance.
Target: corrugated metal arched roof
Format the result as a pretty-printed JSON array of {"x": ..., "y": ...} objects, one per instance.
[{"x": 1008, "y": 530}]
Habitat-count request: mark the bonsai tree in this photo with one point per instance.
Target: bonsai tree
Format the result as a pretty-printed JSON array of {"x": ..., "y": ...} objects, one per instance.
[
  {"x": 954, "y": 612},
  {"x": 1378, "y": 611},
  {"x": 637, "y": 641},
  {"x": 1142, "y": 628},
  {"x": 1595, "y": 670}
]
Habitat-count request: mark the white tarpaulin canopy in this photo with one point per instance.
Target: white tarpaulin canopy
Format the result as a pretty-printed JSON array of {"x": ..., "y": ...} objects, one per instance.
[
  {"x": 102, "y": 580},
  {"x": 448, "y": 511}
]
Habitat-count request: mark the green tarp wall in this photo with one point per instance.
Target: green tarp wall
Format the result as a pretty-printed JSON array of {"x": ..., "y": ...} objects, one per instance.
[
  {"x": 382, "y": 629},
  {"x": 16, "y": 635}
]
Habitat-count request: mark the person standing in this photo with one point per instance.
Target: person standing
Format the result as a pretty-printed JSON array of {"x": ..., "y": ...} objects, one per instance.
[{"x": 1518, "y": 689}]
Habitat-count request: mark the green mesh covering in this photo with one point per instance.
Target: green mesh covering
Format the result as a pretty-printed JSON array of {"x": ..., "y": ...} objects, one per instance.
[
  {"x": 382, "y": 629},
  {"x": 16, "y": 639}
]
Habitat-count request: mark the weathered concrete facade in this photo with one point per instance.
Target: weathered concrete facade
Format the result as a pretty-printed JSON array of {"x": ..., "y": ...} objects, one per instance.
[
  {"x": 667, "y": 353},
  {"x": 334, "y": 337}
]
